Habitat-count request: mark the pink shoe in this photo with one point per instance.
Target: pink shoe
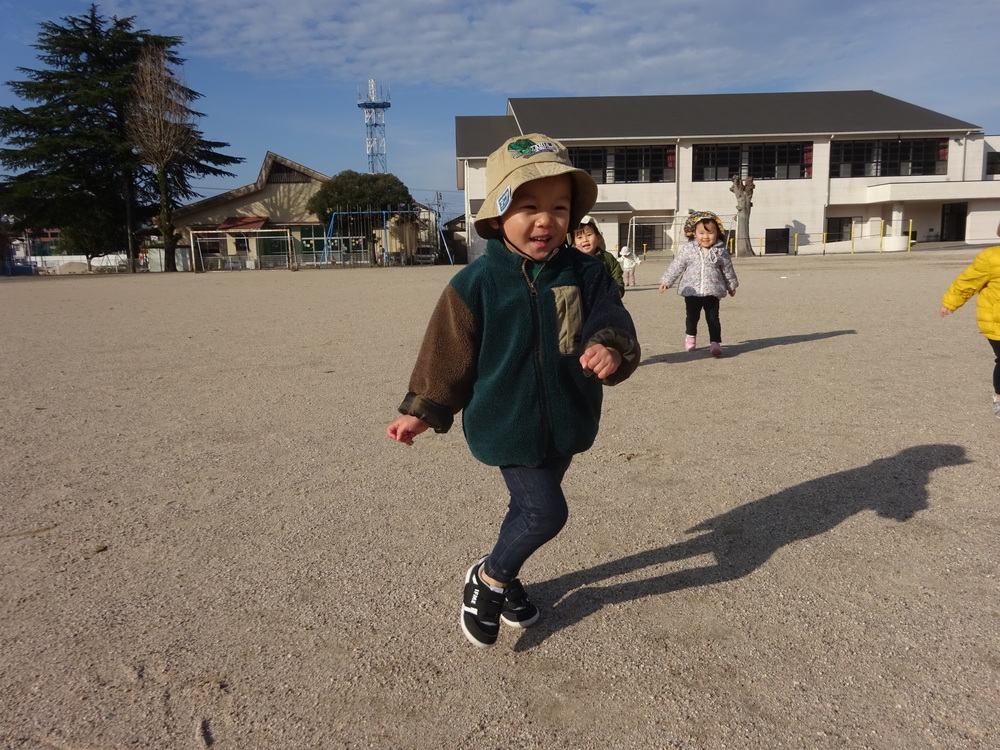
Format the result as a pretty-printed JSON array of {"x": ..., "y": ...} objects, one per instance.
[
  {"x": 716, "y": 349},
  {"x": 689, "y": 343}
]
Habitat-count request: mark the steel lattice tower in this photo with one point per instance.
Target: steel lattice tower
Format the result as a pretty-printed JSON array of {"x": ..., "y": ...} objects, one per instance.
[{"x": 375, "y": 106}]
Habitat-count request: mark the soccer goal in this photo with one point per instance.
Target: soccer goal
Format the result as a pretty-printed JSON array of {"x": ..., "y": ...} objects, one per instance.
[{"x": 647, "y": 234}]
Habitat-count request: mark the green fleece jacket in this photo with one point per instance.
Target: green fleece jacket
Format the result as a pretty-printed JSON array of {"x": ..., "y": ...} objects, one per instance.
[
  {"x": 614, "y": 268},
  {"x": 505, "y": 349}
]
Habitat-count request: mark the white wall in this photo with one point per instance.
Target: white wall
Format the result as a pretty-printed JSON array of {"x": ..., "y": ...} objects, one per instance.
[
  {"x": 982, "y": 224},
  {"x": 926, "y": 220},
  {"x": 646, "y": 198}
]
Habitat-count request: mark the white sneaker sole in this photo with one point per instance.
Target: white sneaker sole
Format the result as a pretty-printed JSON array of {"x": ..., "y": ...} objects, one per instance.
[{"x": 520, "y": 625}]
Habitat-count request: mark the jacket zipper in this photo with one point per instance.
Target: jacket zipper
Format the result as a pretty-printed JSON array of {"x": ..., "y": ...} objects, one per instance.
[
  {"x": 701, "y": 289},
  {"x": 533, "y": 292}
]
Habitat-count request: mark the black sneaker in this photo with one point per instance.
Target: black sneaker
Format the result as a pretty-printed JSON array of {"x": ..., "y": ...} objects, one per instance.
[
  {"x": 480, "y": 609},
  {"x": 518, "y": 611}
]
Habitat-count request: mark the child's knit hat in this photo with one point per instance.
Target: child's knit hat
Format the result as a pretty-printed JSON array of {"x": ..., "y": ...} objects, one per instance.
[
  {"x": 522, "y": 159},
  {"x": 696, "y": 217}
]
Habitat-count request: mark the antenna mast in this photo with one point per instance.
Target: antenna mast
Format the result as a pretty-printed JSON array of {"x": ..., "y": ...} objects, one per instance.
[{"x": 375, "y": 106}]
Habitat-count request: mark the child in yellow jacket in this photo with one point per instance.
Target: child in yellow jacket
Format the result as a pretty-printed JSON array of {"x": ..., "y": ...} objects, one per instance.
[{"x": 982, "y": 278}]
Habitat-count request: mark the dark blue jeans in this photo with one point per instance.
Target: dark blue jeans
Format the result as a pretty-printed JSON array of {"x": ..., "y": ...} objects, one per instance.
[
  {"x": 537, "y": 512},
  {"x": 996, "y": 369},
  {"x": 693, "y": 307}
]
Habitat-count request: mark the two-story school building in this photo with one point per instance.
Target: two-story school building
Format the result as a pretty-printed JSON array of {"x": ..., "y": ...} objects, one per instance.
[{"x": 832, "y": 170}]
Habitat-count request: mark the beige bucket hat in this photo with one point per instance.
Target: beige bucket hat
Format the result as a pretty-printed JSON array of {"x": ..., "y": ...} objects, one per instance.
[{"x": 520, "y": 160}]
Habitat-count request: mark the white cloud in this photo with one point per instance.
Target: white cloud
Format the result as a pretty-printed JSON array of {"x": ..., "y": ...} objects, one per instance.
[
  {"x": 467, "y": 56},
  {"x": 283, "y": 75},
  {"x": 563, "y": 47}
]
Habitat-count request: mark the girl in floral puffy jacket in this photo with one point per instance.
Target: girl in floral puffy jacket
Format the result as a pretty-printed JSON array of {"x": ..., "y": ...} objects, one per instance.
[{"x": 703, "y": 273}]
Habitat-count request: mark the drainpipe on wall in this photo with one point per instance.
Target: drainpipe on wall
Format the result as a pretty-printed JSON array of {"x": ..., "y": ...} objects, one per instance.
[
  {"x": 965, "y": 148},
  {"x": 677, "y": 178},
  {"x": 829, "y": 169}
]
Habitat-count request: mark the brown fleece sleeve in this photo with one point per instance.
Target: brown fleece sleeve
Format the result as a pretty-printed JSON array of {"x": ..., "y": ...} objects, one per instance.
[{"x": 442, "y": 378}]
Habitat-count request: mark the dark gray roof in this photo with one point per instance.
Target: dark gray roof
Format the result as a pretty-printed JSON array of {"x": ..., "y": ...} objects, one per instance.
[
  {"x": 481, "y": 136},
  {"x": 608, "y": 207},
  {"x": 698, "y": 115}
]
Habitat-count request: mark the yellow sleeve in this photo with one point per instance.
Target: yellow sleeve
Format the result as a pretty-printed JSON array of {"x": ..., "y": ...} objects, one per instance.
[{"x": 968, "y": 284}]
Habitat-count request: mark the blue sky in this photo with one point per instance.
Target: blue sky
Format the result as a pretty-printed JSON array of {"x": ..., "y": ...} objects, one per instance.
[{"x": 284, "y": 75}]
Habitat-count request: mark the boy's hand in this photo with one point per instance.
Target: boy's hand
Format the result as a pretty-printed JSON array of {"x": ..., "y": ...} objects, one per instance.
[
  {"x": 663, "y": 288},
  {"x": 405, "y": 428},
  {"x": 601, "y": 360},
  {"x": 732, "y": 292},
  {"x": 946, "y": 311}
]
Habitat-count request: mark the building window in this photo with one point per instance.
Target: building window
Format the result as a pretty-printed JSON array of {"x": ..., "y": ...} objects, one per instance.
[
  {"x": 281, "y": 173},
  {"x": 993, "y": 162},
  {"x": 889, "y": 158},
  {"x": 314, "y": 240},
  {"x": 716, "y": 162},
  {"x": 626, "y": 163},
  {"x": 590, "y": 159},
  {"x": 643, "y": 164},
  {"x": 838, "y": 228},
  {"x": 762, "y": 161},
  {"x": 779, "y": 161},
  {"x": 272, "y": 246}
]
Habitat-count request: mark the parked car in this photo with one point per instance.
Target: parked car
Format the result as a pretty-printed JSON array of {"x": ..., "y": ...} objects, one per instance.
[{"x": 425, "y": 255}]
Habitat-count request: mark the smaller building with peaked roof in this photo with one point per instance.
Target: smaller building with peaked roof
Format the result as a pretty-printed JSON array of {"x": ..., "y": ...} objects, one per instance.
[
  {"x": 260, "y": 225},
  {"x": 267, "y": 225}
]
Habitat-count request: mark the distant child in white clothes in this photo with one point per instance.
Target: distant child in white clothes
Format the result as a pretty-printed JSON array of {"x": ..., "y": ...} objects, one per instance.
[
  {"x": 629, "y": 262},
  {"x": 704, "y": 274}
]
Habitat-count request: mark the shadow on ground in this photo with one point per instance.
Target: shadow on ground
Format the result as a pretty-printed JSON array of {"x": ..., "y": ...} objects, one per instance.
[
  {"x": 743, "y": 539},
  {"x": 640, "y": 288},
  {"x": 744, "y": 347}
]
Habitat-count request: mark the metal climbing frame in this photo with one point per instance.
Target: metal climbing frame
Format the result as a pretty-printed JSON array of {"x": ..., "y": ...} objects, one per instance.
[{"x": 383, "y": 238}]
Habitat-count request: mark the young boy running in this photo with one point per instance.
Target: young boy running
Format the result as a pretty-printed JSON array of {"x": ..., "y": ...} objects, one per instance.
[{"x": 521, "y": 341}]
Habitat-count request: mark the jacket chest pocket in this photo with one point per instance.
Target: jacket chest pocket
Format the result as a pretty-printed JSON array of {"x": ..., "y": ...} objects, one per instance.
[{"x": 569, "y": 317}]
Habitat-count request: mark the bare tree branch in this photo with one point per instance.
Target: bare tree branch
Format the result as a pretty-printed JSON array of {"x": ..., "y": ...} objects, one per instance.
[
  {"x": 160, "y": 124},
  {"x": 162, "y": 130}
]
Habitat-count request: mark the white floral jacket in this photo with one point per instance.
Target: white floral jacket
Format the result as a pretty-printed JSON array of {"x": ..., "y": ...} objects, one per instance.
[{"x": 698, "y": 272}]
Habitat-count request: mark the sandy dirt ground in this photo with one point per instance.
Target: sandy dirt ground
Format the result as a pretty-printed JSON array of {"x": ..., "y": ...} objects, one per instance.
[{"x": 207, "y": 540}]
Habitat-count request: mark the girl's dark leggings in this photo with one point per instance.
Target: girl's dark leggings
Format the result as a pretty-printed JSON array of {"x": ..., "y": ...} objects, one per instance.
[
  {"x": 694, "y": 307},
  {"x": 996, "y": 369}
]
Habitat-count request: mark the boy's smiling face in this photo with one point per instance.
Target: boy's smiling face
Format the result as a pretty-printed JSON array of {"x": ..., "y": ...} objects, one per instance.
[
  {"x": 587, "y": 240},
  {"x": 538, "y": 217}
]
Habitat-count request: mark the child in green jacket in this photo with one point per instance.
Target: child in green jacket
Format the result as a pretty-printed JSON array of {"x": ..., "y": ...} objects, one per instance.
[
  {"x": 587, "y": 238},
  {"x": 521, "y": 341}
]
